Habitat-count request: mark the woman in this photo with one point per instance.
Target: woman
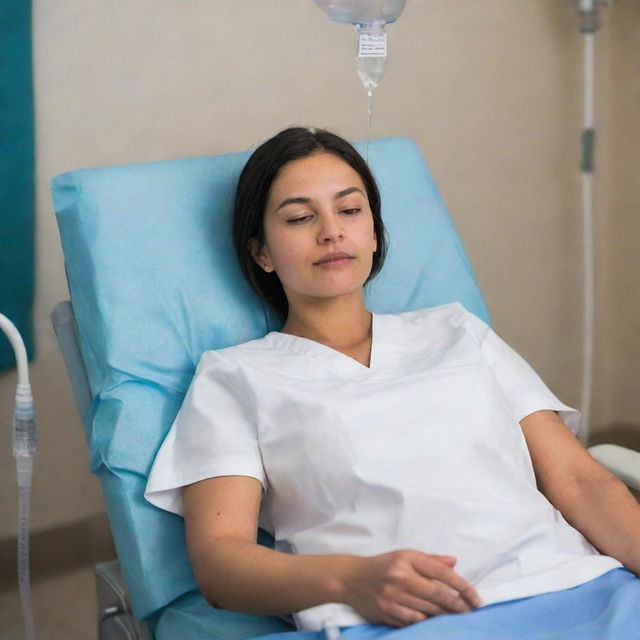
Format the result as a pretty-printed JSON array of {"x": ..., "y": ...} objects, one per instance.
[{"x": 382, "y": 451}]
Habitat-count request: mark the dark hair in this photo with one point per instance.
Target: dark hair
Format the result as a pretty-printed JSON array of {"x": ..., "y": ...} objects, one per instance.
[{"x": 252, "y": 193}]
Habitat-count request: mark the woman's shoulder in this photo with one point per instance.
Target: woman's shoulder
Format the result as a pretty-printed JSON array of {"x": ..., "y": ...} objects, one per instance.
[
  {"x": 249, "y": 354},
  {"x": 430, "y": 327},
  {"x": 450, "y": 312}
]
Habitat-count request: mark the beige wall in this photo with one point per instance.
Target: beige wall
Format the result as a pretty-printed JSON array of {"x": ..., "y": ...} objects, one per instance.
[
  {"x": 492, "y": 93},
  {"x": 619, "y": 282}
]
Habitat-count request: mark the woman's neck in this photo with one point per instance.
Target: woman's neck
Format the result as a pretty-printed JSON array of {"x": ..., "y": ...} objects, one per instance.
[{"x": 340, "y": 331}]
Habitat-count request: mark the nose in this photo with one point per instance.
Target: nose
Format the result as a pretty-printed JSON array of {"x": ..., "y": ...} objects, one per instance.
[{"x": 330, "y": 227}]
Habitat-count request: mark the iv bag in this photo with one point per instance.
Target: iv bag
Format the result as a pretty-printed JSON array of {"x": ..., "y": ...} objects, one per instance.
[
  {"x": 369, "y": 18},
  {"x": 362, "y": 12}
]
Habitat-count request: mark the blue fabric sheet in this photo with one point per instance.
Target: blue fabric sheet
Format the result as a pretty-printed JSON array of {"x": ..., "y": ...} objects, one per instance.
[{"x": 606, "y": 608}]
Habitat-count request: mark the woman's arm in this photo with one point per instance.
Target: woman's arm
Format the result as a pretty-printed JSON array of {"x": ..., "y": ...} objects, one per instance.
[
  {"x": 234, "y": 572},
  {"x": 590, "y": 497}
]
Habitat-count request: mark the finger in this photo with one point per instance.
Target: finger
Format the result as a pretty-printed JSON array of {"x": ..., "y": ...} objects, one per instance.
[
  {"x": 466, "y": 590},
  {"x": 423, "y": 606},
  {"x": 445, "y": 587},
  {"x": 450, "y": 561},
  {"x": 438, "y": 571},
  {"x": 401, "y": 616},
  {"x": 445, "y": 597},
  {"x": 426, "y": 592}
]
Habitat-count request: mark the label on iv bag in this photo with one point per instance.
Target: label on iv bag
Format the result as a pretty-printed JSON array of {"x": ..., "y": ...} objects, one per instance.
[{"x": 372, "y": 45}]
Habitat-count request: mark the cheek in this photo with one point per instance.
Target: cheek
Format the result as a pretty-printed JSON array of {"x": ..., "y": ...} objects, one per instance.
[
  {"x": 368, "y": 230},
  {"x": 289, "y": 253},
  {"x": 281, "y": 245}
]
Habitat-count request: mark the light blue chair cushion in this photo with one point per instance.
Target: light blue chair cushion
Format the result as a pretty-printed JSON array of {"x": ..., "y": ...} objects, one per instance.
[
  {"x": 191, "y": 612},
  {"x": 154, "y": 283}
]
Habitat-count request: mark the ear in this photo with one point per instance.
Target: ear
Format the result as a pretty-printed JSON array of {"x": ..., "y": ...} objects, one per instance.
[{"x": 258, "y": 253}]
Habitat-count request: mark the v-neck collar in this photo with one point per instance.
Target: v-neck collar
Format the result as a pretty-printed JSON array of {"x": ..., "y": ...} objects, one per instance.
[{"x": 306, "y": 346}]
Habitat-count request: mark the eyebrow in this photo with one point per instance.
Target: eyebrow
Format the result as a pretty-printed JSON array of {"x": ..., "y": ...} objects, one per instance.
[{"x": 300, "y": 200}]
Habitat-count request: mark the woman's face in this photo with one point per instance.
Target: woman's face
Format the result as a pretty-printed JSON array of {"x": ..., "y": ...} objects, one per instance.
[{"x": 317, "y": 205}]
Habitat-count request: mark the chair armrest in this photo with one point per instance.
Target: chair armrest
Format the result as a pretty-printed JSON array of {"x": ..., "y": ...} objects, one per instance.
[
  {"x": 623, "y": 462},
  {"x": 65, "y": 327},
  {"x": 115, "y": 619}
]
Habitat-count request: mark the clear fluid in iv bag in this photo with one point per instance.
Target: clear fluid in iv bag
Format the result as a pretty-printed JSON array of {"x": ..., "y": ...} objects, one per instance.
[
  {"x": 371, "y": 54},
  {"x": 371, "y": 58},
  {"x": 370, "y": 71}
]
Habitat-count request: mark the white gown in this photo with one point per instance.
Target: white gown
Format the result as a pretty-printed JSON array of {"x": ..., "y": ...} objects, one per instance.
[{"x": 421, "y": 450}]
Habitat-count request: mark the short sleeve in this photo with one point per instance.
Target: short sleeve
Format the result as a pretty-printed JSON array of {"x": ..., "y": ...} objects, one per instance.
[
  {"x": 213, "y": 434},
  {"x": 523, "y": 387}
]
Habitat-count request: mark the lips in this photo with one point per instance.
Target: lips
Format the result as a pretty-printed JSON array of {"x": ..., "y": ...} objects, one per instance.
[{"x": 335, "y": 255}]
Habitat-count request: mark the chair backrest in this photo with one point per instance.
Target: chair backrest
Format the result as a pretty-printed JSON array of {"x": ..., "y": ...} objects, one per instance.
[{"x": 154, "y": 283}]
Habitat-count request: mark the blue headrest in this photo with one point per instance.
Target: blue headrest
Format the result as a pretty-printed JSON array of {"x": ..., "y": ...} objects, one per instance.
[{"x": 154, "y": 283}]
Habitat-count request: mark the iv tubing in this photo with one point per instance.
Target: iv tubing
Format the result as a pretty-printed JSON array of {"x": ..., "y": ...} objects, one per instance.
[
  {"x": 588, "y": 252},
  {"x": 23, "y": 561},
  {"x": 24, "y": 447},
  {"x": 15, "y": 339},
  {"x": 370, "y": 112}
]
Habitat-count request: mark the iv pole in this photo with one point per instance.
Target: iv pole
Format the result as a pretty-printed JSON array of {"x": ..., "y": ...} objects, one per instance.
[{"x": 588, "y": 10}]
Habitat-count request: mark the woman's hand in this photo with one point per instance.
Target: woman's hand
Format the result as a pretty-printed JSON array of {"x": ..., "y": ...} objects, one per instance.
[{"x": 406, "y": 586}]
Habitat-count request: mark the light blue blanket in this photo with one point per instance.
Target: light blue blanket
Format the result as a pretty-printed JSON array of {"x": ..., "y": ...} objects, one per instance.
[{"x": 606, "y": 608}]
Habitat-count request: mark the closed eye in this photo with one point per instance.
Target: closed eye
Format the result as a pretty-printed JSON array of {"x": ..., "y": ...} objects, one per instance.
[{"x": 350, "y": 212}]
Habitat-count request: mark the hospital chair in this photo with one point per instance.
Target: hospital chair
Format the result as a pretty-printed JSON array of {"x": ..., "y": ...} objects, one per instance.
[{"x": 154, "y": 282}]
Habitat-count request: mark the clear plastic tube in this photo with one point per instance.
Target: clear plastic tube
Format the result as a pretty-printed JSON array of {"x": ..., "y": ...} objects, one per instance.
[
  {"x": 24, "y": 439},
  {"x": 17, "y": 343},
  {"x": 23, "y": 559},
  {"x": 24, "y": 449},
  {"x": 370, "y": 93}
]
